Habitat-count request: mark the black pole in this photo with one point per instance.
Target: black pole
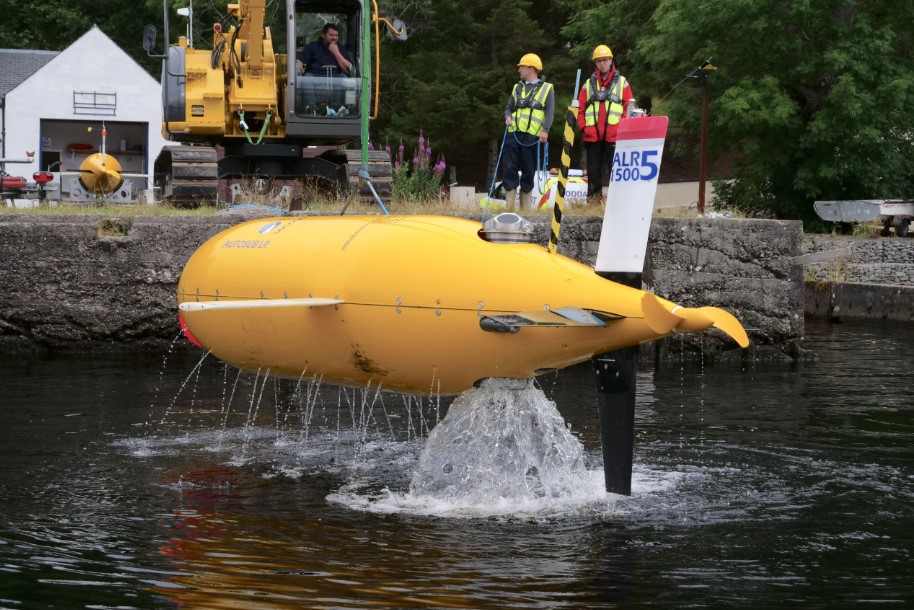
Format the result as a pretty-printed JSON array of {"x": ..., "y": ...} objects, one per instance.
[
  {"x": 703, "y": 154},
  {"x": 615, "y": 374}
]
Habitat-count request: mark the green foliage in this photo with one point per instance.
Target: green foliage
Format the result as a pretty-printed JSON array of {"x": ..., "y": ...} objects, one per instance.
[
  {"x": 812, "y": 100},
  {"x": 452, "y": 78},
  {"x": 416, "y": 179}
]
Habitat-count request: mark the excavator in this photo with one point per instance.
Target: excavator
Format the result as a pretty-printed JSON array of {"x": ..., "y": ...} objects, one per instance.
[{"x": 243, "y": 110}]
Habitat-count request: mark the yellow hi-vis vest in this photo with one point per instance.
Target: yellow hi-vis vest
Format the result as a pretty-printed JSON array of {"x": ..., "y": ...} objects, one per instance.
[
  {"x": 529, "y": 114},
  {"x": 611, "y": 97}
]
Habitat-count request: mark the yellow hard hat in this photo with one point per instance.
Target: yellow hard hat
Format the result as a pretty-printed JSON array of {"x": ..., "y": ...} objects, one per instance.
[
  {"x": 531, "y": 59},
  {"x": 602, "y": 51}
]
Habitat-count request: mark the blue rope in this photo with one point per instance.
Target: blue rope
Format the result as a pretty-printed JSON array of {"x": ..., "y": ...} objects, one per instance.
[
  {"x": 495, "y": 174},
  {"x": 534, "y": 143},
  {"x": 542, "y": 162},
  {"x": 253, "y": 206}
]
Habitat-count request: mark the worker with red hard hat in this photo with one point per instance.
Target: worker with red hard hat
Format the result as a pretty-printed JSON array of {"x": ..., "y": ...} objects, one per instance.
[
  {"x": 528, "y": 115},
  {"x": 602, "y": 102}
]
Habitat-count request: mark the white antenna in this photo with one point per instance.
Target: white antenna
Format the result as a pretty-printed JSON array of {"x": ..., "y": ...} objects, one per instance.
[{"x": 189, "y": 13}]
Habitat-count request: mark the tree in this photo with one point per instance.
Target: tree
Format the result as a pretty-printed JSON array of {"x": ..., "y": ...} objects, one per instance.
[
  {"x": 452, "y": 78},
  {"x": 813, "y": 98}
]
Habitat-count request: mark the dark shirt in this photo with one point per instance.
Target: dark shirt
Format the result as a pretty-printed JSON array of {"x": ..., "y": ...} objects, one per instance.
[{"x": 316, "y": 56}]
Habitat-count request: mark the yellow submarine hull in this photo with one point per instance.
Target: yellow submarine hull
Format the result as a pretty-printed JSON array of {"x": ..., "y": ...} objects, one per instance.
[{"x": 399, "y": 300}]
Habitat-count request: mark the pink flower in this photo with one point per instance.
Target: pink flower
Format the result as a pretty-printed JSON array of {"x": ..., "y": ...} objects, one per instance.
[{"x": 440, "y": 165}]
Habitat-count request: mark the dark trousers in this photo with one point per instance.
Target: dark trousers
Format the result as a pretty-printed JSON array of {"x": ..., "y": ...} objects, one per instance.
[
  {"x": 520, "y": 155},
  {"x": 599, "y": 157}
]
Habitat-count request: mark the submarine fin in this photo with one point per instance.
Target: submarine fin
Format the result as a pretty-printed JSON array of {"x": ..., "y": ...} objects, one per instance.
[
  {"x": 565, "y": 317},
  {"x": 257, "y": 303}
]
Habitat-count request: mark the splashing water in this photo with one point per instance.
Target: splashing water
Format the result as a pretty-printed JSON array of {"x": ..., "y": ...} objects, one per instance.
[{"x": 502, "y": 449}]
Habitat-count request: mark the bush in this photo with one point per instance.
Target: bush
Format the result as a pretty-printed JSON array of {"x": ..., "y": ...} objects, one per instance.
[{"x": 419, "y": 180}]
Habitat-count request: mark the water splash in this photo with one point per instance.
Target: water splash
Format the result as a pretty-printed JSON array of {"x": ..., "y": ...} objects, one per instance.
[
  {"x": 503, "y": 439},
  {"x": 502, "y": 449}
]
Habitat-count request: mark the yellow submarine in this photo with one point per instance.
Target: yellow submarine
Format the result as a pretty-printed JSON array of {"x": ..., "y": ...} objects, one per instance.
[{"x": 414, "y": 303}]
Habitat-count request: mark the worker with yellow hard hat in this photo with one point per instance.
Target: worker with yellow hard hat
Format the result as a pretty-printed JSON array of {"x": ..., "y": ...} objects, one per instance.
[
  {"x": 602, "y": 103},
  {"x": 528, "y": 115}
]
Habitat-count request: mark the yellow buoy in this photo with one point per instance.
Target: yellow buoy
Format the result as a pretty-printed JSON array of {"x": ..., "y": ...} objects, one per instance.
[{"x": 100, "y": 174}]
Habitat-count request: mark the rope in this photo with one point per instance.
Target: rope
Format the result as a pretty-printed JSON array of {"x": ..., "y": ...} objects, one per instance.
[
  {"x": 263, "y": 131},
  {"x": 504, "y": 138},
  {"x": 542, "y": 165},
  {"x": 534, "y": 143}
]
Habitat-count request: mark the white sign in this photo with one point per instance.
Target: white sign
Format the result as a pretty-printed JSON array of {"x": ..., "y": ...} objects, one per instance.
[{"x": 630, "y": 198}]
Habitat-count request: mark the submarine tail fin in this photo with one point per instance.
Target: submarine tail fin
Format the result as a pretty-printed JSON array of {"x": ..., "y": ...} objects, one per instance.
[
  {"x": 728, "y": 323},
  {"x": 691, "y": 320}
]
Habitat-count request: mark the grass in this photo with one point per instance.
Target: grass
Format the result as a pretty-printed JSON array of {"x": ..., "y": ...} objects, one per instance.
[
  {"x": 835, "y": 271},
  {"x": 872, "y": 228},
  {"x": 329, "y": 205},
  {"x": 317, "y": 201},
  {"x": 108, "y": 209}
]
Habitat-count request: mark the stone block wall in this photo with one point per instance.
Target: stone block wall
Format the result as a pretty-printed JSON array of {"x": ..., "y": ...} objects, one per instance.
[
  {"x": 886, "y": 260},
  {"x": 67, "y": 285}
]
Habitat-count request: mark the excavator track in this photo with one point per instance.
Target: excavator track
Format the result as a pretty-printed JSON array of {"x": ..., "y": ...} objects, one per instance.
[{"x": 187, "y": 176}]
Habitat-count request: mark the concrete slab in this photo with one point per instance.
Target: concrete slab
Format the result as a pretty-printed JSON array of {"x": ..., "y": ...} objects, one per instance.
[
  {"x": 670, "y": 195},
  {"x": 463, "y": 196}
]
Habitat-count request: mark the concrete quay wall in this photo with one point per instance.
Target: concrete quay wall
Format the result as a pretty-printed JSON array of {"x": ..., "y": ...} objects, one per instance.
[
  {"x": 861, "y": 260},
  {"x": 859, "y": 277},
  {"x": 69, "y": 285}
]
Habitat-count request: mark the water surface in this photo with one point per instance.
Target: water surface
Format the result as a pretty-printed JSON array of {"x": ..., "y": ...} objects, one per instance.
[{"x": 147, "y": 481}]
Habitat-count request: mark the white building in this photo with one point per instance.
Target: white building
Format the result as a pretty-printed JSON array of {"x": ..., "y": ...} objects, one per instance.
[{"x": 61, "y": 111}]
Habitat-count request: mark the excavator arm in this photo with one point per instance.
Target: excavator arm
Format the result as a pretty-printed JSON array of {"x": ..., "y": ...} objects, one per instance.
[{"x": 250, "y": 16}]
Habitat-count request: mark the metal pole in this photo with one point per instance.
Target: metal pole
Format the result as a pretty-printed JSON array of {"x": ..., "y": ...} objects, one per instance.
[
  {"x": 703, "y": 156},
  {"x": 558, "y": 208}
]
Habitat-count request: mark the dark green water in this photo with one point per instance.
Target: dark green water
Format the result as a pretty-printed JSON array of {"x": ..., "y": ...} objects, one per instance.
[{"x": 127, "y": 483}]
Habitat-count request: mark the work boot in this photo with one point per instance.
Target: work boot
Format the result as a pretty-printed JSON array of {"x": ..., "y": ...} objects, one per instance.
[
  {"x": 525, "y": 200},
  {"x": 510, "y": 196}
]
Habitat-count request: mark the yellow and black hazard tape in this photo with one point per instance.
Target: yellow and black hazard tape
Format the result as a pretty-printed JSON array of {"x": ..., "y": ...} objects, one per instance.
[{"x": 559, "y": 207}]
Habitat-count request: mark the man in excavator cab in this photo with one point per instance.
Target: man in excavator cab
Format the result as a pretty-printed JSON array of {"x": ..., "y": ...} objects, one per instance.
[{"x": 320, "y": 62}]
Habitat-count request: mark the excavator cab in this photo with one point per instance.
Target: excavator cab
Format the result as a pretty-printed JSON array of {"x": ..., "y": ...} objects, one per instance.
[{"x": 324, "y": 99}]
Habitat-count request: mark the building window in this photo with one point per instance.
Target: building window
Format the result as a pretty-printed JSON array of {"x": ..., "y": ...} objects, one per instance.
[{"x": 93, "y": 102}]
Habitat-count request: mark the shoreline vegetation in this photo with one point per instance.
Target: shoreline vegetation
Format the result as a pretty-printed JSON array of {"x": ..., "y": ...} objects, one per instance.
[{"x": 326, "y": 205}]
